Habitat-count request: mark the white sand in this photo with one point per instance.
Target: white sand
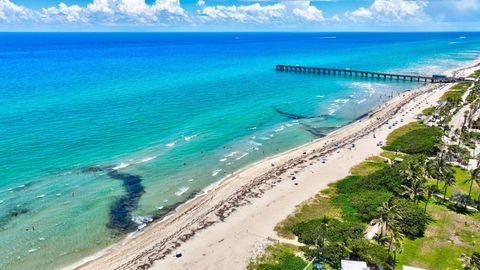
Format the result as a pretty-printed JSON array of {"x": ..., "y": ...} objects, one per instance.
[{"x": 228, "y": 225}]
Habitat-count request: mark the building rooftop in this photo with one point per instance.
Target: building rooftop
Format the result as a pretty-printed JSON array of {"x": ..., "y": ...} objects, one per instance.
[
  {"x": 412, "y": 268},
  {"x": 354, "y": 265}
]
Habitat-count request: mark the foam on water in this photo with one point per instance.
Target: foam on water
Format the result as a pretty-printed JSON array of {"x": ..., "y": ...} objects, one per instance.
[
  {"x": 231, "y": 154},
  {"x": 361, "y": 101},
  {"x": 181, "y": 191},
  {"x": 188, "y": 138},
  {"x": 241, "y": 156},
  {"x": 215, "y": 172},
  {"x": 170, "y": 144},
  {"x": 147, "y": 159},
  {"x": 121, "y": 166}
]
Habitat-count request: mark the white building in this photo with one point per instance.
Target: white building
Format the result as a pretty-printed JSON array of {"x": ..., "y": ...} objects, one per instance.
[
  {"x": 354, "y": 265},
  {"x": 411, "y": 268}
]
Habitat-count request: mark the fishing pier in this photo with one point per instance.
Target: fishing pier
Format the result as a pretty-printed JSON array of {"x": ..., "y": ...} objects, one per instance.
[{"x": 367, "y": 74}]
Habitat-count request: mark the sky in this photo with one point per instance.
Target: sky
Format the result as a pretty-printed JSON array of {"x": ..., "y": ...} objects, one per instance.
[{"x": 240, "y": 15}]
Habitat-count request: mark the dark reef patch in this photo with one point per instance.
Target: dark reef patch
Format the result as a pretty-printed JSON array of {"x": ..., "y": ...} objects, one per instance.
[
  {"x": 318, "y": 131},
  {"x": 291, "y": 115},
  {"x": 120, "y": 211},
  {"x": 94, "y": 169},
  {"x": 11, "y": 214}
]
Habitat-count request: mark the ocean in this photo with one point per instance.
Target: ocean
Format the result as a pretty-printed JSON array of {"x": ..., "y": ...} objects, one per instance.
[{"x": 101, "y": 133}]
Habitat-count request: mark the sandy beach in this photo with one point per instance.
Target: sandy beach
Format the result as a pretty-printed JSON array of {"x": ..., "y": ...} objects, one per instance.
[{"x": 228, "y": 225}]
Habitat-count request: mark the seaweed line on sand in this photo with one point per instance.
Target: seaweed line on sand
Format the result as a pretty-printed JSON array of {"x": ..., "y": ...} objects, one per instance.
[{"x": 199, "y": 219}]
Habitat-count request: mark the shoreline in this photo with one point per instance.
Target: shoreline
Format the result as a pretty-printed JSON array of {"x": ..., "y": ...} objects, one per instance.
[{"x": 218, "y": 201}]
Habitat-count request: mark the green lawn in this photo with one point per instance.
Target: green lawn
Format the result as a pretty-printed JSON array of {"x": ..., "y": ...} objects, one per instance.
[
  {"x": 429, "y": 111},
  {"x": 279, "y": 257},
  {"x": 460, "y": 176},
  {"x": 414, "y": 138},
  {"x": 378, "y": 159},
  {"x": 447, "y": 237},
  {"x": 368, "y": 167},
  {"x": 395, "y": 134},
  {"x": 317, "y": 207},
  {"x": 475, "y": 74},
  {"x": 456, "y": 91},
  {"x": 392, "y": 155}
]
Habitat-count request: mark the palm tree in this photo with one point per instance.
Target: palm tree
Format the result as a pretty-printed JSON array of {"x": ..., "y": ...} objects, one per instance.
[
  {"x": 387, "y": 212},
  {"x": 414, "y": 189},
  {"x": 387, "y": 217},
  {"x": 430, "y": 190},
  {"x": 397, "y": 244},
  {"x": 381, "y": 238},
  {"x": 415, "y": 173},
  {"x": 408, "y": 171},
  {"x": 438, "y": 167},
  {"x": 321, "y": 232},
  {"x": 475, "y": 177},
  {"x": 448, "y": 181}
]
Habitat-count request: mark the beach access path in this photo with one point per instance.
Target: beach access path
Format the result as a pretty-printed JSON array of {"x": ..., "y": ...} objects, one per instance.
[{"x": 228, "y": 225}]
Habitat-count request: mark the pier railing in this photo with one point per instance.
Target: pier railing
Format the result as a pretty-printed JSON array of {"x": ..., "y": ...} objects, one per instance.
[{"x": 367, "y": 74}]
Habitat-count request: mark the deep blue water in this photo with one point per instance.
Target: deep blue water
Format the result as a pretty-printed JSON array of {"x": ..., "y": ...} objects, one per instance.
[{"x": 98, "y": 129}]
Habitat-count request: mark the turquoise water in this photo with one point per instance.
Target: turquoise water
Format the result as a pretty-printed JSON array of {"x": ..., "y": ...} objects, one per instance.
[{"x": 100, "y": 130}]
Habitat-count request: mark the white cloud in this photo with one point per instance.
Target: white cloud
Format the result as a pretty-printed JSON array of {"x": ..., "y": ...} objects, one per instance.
[
  {"x": 286, "y": 11},
  {"x": 134, "y": 10},
  {"x": 244, "y": 13},
  {"x": 70, "y": 14},
  {"x": 12, "y": 13},
  {"x": 306, "y": 11},
  {"x": 390, "y": 11},
  {"x": 362, "y": 13},
  {"x": 97, "y": 12},
  {"x": 170, "y": 12}
]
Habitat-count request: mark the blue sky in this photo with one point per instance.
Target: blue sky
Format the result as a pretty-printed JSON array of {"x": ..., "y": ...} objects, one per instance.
[{"x": 240, "y": 15}]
